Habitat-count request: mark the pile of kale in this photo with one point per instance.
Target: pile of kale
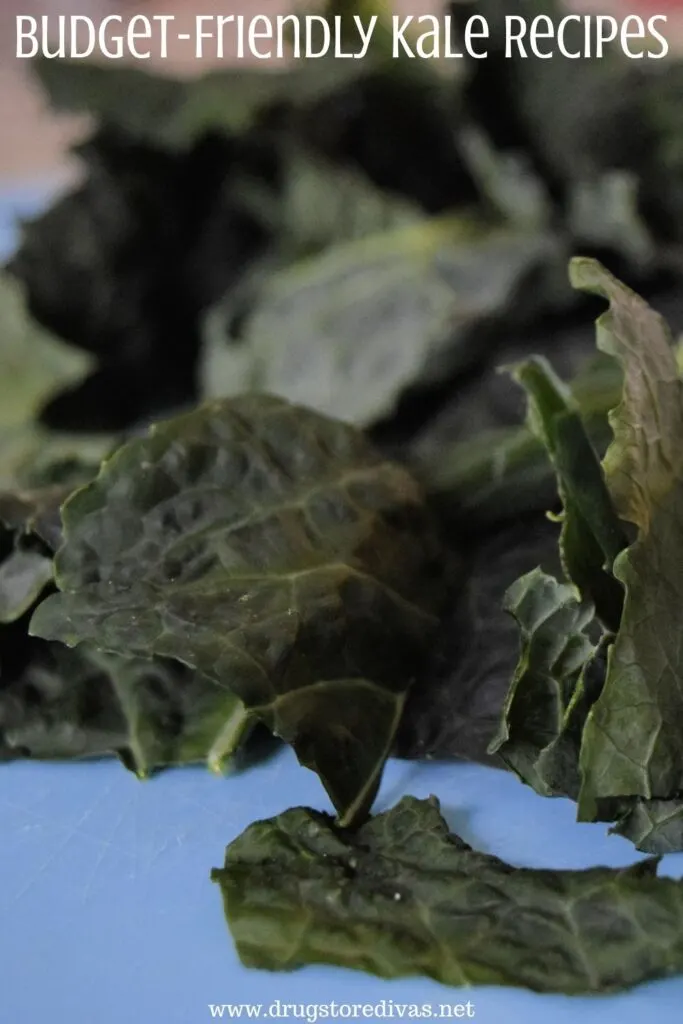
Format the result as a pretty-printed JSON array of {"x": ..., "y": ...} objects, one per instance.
[{"x": 335, "y": 531}]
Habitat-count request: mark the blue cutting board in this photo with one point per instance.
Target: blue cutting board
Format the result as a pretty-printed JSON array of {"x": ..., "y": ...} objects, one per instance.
[{"x": 107, "y": 914}]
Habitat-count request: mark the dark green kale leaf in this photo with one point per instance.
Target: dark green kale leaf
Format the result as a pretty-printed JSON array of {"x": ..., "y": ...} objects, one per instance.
[
  {"x": 591, "y": 535},
  {"x": 274, "y": 551},
  {"x": 404, "y": 896},
  {"x": 158, "y": 232},
  {"x": 600, "y": 137},
  {"x": 559, "y": 676},
  {"x": 316, "y": 206},
  {"x": 24, "y": 573},
  {"x": 54, "y": 703},
  {"x": 555, "y": 651},
  {"x": 318, "y": 203},
  {"x": 632, "y": 743},
  {"x": 605, "y": 734},
  {"x": 57, "y": 703},
  {"x": 480, "y": 459}
]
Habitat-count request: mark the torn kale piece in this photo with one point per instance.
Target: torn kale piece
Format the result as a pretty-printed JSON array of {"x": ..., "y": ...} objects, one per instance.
[
  {"x": 404, "y": 896},
  {"x": 559, "y": 675},
  {"x": 556, "y": 650}
]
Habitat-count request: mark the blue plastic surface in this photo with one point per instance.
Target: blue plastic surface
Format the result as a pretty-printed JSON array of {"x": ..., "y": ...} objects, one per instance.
[{"x": 107, "y": 913}]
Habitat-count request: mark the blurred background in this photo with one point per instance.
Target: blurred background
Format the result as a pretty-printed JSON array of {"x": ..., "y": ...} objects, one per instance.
[
  {"x": 35, "y": 142},
  {"x": 162, "y": 249}
]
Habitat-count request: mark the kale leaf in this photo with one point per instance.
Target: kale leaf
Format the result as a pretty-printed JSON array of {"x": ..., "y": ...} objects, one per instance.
[
  {"x": 404, "y": 896},
  {"x": 274, "y": 551},
  {"x": 351, "y": 331},
  {"x": 632, "y": 743},
  {"x": 591, "y": 536},
  {"x": 606, "y": 734}
]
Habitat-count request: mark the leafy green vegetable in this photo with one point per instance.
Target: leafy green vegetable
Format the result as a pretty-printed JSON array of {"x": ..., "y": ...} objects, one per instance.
[
  {"x": 175, "y": 716},
  {"x": 36, "y": 513},
  {"x": 349, "y": 332},
  {"x": 591, "y": 536},
  {"x": 57, "y": 703},
  {"x": 605, "y": 212},
  {"x": 274, "y": 551},
  {"x": 559, "y": 676},
  {"x": 34, "y": 366},
  {"x": 555, "y": 651},
  {"x": 372, "y": 239},
  {"x": 654, "y": 826},
  {"x": 585, "y": 733},
  {"x": 558, "y": 763},
  {"x": 632, "y": 744},
  {"x": 483, "y": 460},
  {"x": 403, "y": 896},
  {"x": 455, "y": 710},
  {"x": 542, "y": 106},
  {"x": 76, "y": 704},
  {"x": 29, "y": 533},
  {"x": 321, "y": 203}
]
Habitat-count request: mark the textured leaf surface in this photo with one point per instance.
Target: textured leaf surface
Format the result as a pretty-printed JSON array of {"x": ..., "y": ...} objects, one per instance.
[
  {"x": 592, "y": 535},
  {"x": 633, "y": 745},
  {"x": 349, "y": 332},
  {"x": 403, "y": 896},
  {"x": 555, "y": 650},
  {"x": 277, "y": 553},
  {"x": 654, "y": 826},
  {"x": 57, "y": 703}
]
